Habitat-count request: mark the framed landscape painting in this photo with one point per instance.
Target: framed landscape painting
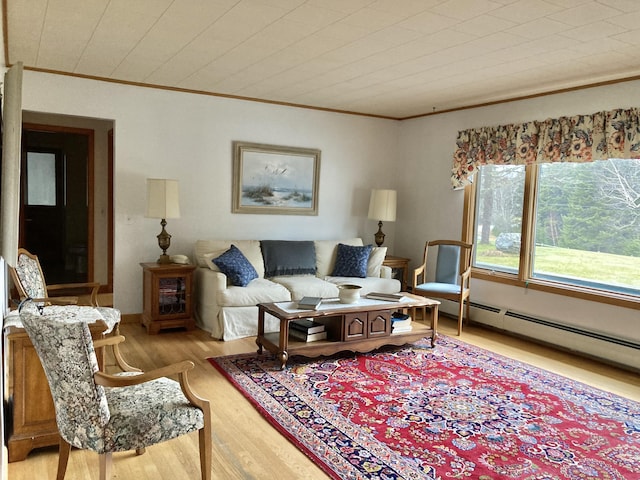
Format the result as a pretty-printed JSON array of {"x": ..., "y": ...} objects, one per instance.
[{"x": 275, "y": 180}]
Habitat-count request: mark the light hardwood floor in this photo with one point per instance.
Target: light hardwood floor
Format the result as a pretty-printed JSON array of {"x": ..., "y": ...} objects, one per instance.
[{"x": 245, "y": 446}]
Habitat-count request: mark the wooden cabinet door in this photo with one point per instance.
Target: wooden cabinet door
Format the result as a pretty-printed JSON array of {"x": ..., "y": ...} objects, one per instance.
[
  {"x": 33, "y": 416},
  {"x": 355, "y": 326},
  {"x": 379, "y": 324},
  {"x": 358, "y": 326}
]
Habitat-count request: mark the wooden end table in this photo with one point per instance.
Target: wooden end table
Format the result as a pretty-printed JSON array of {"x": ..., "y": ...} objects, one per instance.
[
  {"x": 168, "y": 299},
  {"x": 358, "y": 327},
  {"x": 400, "y": 269}
]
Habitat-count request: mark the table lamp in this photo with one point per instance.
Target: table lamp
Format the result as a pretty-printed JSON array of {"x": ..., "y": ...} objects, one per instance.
[
  {"x": 382, "y": 206},
  {"x": 162, "y": 202}
]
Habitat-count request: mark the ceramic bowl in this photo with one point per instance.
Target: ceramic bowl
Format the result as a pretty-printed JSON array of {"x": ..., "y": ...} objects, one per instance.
[{"x": 349, "y": 293}]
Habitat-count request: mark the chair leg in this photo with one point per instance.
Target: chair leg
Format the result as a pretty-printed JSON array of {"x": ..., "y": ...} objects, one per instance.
[
  {"x": 140, "y": 451},
  {"x": 106, "y": 464},
  {"x": 460, "y": 311},
  {"x": 63, "y": 458},
  {"x": 467, "y": 310},
  {"x": 204, "y": 435}
]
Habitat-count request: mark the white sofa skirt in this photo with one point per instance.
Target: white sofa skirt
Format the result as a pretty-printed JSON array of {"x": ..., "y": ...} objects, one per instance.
[{"x": 240, "y": 322}]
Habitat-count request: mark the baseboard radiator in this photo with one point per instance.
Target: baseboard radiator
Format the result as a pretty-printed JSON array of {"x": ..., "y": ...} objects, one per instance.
[{"x": 620, "y": 351}]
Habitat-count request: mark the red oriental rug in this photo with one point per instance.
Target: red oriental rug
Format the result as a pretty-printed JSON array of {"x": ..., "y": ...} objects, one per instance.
[{"x": 455, "y": 411}]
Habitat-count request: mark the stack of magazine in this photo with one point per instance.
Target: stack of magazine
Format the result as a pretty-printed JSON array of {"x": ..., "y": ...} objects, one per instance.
[
  {"x": 400, "y": 322},
  {"x": 306, "y": 330},
  {"x": 387, "y": 297}
]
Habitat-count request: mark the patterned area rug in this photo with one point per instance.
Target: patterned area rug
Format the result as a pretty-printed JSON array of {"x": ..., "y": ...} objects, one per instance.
[{"x": 455, "y": 411}]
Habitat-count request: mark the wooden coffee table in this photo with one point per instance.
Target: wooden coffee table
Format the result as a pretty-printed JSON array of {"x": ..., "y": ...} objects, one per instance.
[{"x": 357, "y": 327}]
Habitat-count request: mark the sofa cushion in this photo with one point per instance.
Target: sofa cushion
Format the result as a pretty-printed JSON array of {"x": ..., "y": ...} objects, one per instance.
[
  {"x": 307, "y": 286},
  {"x": 208, "y": 258},
  {"x": 288, "y": 257},
  {"x": 257, "y": 291},
  {"x": 351, "y": 261},
  {"x": 206, "y": 250},
  {"x": 375, "y": 261},
  {"x": 326, "y": 254},
  {"x": 236, "y": 267}
]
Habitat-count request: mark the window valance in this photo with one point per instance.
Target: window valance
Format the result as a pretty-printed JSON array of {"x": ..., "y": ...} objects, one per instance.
[{"x": 582, "y": 138}]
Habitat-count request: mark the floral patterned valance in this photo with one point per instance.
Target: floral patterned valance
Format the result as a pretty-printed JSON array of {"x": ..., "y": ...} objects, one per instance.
[{"x": 583, "y": 138}]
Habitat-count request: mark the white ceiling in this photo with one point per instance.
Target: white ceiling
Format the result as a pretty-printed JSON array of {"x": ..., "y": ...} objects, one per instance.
[{"x": 393, "y": 58}]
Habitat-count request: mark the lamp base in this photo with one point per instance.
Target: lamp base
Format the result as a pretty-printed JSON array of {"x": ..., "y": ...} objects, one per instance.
[
  {"x": 379, "y": 236},
  {"x": 164, "y": 259},
  {"x": 164, "y": 242}
]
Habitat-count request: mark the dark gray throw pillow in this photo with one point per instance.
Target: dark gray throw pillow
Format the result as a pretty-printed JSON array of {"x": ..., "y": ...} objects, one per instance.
[{"x": 288, "y": 257}]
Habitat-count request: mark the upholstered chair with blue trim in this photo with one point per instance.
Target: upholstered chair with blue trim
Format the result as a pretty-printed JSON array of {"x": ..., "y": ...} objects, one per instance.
[
  {"x": 106, "y": 413},
  {"x": 452, "y": 274},
  {"x": 30, "y": 282}
]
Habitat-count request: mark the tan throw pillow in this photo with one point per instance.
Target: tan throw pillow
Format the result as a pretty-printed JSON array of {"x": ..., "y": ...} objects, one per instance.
[
  {"x": 208, "y": 258},
  {"x": 326, "y": 251},
  {"x": 376, "y": 257}
]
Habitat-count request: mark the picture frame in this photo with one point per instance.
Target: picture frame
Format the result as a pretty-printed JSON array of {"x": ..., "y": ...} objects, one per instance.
[{"x": 275, "y": 180}]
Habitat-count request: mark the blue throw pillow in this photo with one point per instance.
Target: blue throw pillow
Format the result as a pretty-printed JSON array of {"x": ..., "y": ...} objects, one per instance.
[
  {"x": 351, "y": 261},
  {"x": 236, "y": 267}
]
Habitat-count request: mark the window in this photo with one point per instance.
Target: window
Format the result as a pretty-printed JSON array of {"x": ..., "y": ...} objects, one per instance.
[
  {"x": 563, "y": 225},
  {"x": 498, "y": 219},
  {"x": 41, "y": 179}
]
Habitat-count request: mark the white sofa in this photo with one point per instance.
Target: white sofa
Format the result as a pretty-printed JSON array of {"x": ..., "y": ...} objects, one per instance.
[{"x": 229, "y": 312}]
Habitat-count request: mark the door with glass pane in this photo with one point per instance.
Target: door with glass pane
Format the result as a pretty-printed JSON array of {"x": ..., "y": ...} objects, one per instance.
[
  {"x": 55, "y": 213},
  {"x": 44, "y": 207}
]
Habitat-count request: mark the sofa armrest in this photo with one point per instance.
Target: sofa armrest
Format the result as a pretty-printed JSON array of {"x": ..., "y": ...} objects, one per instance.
[
  {"x": 210, "y": 280},
  {"x": 208, "y": 285},
  {"x": 386, "y": 272}
]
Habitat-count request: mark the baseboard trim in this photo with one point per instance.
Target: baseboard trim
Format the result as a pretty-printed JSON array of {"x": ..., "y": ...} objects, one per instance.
[
  {"x": 553, "y": 346},
  {"x": 131, "y": 318}
]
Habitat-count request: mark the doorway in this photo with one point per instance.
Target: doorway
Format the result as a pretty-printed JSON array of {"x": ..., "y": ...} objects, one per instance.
[{"x": 56, "y": 218}]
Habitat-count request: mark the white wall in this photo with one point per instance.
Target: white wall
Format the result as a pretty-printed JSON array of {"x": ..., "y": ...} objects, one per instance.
[
  {"x": 430, "y": 209},
  {"x": 166, "y": 134}
]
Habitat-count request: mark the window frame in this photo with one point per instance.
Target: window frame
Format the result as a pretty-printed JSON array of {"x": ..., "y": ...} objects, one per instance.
[{"x": 524, "y": 278}]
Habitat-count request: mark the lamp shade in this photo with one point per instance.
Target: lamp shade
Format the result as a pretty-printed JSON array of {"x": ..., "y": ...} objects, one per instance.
[
  {"x": 382, "y": 205},
  {"x": 162, "y": 198}
]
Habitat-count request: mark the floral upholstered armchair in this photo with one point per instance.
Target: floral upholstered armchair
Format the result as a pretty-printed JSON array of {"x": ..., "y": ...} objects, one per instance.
[
  {"x": 30, "y": 283},
  {"x": 111, "y": 413}
]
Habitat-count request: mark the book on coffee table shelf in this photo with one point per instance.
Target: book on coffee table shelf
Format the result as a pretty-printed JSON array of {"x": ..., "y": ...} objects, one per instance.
[
  {"x": 389, "y": 297},
  {"x": 309, "y": 303},
  {"x": 307, "y": 337},
  {"x": 400, "y": 322},
  {"x": 401, "y": 329},
  {"x": 306, "y": 325}
]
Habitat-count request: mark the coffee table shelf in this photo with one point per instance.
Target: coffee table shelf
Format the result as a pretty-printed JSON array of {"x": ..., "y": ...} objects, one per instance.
[{"x": 359, "y": 327}]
